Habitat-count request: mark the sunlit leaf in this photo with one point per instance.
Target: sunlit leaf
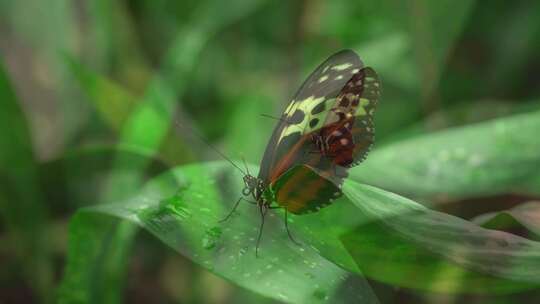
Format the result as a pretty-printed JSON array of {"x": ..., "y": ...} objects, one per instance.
[
  {"x": 98, "y": 254},
  {"x": 183, "y": 209},
  {"x": 409, "y": 245},
  {"x": 488, "y": 158},
  {"x": 524, "y": 218}
]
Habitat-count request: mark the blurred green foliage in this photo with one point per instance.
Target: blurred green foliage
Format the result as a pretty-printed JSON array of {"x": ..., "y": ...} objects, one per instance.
[{"x": 90, "y": 92}]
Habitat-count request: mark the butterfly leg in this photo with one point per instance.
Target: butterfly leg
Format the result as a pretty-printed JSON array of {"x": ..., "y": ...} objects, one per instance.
[
  {"x": 289, "y": 231},
  {"x": 262, "y": 210},
  {"x": 286, "y": 225},
  {"x": 234, "y": 208}
]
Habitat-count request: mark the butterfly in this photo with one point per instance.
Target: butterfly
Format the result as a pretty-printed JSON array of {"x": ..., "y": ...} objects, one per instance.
[{"x": 326, "y": 129}]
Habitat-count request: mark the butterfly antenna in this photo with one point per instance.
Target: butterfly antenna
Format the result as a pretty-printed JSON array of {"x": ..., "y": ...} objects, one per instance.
[
  {"x": 276, "y": 118},
  {"x": 245, "y": 165},
  {"x": 201, "y": 138}
]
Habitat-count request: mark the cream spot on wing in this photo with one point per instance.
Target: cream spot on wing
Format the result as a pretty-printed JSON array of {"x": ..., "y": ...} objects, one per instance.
[
  {"x": 338, "y": 77},
  {"x": 342, "y": 67},
  {"x": 290, "y": 106},
  {"x": 305, "y": 106},
  {"x": 344, "y": 141},
  {"x": 364, "y": 102},
  {"x": 336, "y": 133},
  {"x": 323, "y": 78},
  {"x": 360, "y": 111}
]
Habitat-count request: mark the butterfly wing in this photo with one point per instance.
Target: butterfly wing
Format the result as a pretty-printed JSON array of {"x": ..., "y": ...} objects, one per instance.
[
  {"x": 302, "y": 190},
  {"x": 348, "y": 129},
  {"x": 363, "y": 130},
  {"x": 305, "y": 113}
]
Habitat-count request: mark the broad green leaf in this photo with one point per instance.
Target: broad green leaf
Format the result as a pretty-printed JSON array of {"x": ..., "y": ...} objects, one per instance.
[
  {"x": 524, "y": 218},
  {"x": 409, "y": 245},
  {"x": 464, "y": 113},
  {"x": 98, "y": 246},
  {"x": 487, "y": 158},
  {"x": 183, "y": 209},
  {"x": 97, "y": 260},
  {"x": 21, "y": 206}
]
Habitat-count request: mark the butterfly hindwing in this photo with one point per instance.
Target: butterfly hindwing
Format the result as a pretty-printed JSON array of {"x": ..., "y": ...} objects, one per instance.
[
  {"x": 348, "y": 132},
  {"x": 363, "y": 130},
  {"x": 302, "y": 190}
]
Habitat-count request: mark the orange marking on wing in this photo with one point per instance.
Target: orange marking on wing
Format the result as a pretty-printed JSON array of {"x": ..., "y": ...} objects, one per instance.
[
  {"x": 287, "y": 160},
  {"x": 295, "y": 198}
]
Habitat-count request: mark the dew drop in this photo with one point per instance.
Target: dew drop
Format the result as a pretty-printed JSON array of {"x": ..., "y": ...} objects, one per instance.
[
  {"x": 320, "y": 294},
  {"x": 243, "y": 251},
  {"x": 211, "y": 238}
]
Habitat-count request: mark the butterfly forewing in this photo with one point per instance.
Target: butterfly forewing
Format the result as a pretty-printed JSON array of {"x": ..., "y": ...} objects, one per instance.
[{"x": 307, "y": 112}]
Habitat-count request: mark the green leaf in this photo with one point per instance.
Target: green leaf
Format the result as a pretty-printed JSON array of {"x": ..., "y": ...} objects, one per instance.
[
  {"x": 21, "y": 205},
  {"x": 524, "y": 218},
  {"x": 183, "y": 209},
  {"x": 406, "y": 244},
  {"x": 112, "y": 102},
  {"x": 487, "y": 158},
  {"x": 79, "y": 178},
  {"x": 97, "y": 259}
]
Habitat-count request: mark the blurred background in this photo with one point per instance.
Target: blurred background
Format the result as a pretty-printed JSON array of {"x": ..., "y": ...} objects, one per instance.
[{"x": 86, "y": 83}]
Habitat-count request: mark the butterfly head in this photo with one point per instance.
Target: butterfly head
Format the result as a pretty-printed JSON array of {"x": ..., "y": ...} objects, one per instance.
[{"x": 250, "y": 184}]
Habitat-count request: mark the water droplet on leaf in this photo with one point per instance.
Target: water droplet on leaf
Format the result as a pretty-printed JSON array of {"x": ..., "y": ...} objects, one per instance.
[{"x": 211, "y": 237}]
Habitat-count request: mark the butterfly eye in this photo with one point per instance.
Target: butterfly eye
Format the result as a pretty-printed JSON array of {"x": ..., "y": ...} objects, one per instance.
[{"x": 247, "y": 191}]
